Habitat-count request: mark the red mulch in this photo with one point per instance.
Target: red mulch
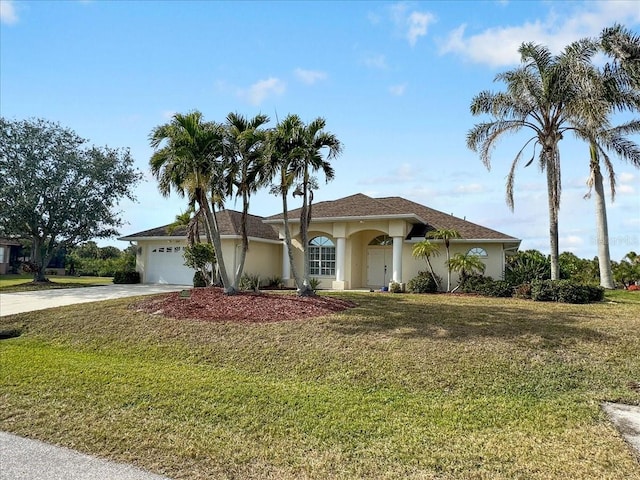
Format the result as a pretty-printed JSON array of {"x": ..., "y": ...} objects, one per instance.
[{"x": 211, "y": 304}]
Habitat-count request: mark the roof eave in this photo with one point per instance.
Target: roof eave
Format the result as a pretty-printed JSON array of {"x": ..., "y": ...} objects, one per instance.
[{"x": 404, "y": 216}]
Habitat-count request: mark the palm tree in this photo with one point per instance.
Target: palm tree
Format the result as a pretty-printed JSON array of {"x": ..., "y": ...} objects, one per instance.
[
  {"x": 617, "y": 90},
  {"x": 445, "y": 234},
  {"x": 244, "y": 151},
  {"x": 543, "y": 95},
  {"x": 186, "y": 159},
  {"x": 314, "y": 141},
  {"x": 425, "y": 249},
  {"x": 466, "y": 265}
]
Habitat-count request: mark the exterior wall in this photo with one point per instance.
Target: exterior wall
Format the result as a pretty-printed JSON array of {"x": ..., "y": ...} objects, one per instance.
[
  {"x": 264, "y": 259},
  {"x": 360, "y": 234},
  {"x": 4, "y": 259}
]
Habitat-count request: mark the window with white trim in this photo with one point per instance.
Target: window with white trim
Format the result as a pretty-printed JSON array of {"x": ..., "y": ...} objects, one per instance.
[
  {"x": 478, "y": 252},
  {"x": 322, "y": 256}
]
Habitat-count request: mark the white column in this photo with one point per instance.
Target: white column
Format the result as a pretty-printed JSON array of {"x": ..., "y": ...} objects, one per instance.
[
  {"x": 397, "y": 259},
  {"x": 340, "y": 255},
  {"x": 286, "y": 266}
]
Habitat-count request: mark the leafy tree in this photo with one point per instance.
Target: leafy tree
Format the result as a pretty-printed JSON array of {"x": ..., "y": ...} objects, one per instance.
[
  {"x": 543, "y": 95},
  {"x": 56, "y": 190},
  {"x": 445, "y": 234},
  {"x": 577, "y": 269},
  {"x": 466, "y": 265},
  {"x": 425, "y": 249},
  {"x": 627, "y": 271},
  {"x": 187, "y": 159},
  {"x": 244, "y": 153},
  {"x": 108, "y": 252},
  {"x": 201, "y": 257}
]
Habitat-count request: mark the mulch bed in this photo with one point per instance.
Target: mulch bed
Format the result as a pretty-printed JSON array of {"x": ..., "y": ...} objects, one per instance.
[{"x": 211, "y": 304}]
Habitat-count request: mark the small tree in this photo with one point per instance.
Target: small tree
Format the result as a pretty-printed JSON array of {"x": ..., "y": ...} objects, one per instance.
[
  {"x": 425, "y": 249},
  {"x": 466, "y": 265},
  {"x": 201, "y": 257},
  {"x": 445, "y": 234},
  {"x": 56, "y": 191}
]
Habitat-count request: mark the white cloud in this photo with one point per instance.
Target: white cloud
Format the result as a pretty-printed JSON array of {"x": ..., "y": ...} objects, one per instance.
[
  {"x": 168, "y": 114},
  {"x": 626, "y": 177},
  {"x": 412, "y": 24},
  {"x": 8, "y": 13},
  {"x": 398, "y": 90},
  {"x": 309, "y": 76},
  {"x": 375, "y": 61},
  {"x": 470, "y": 188},
  {"x": 262, "y": 89},
  {"x": 418, "y": 23},
  {"x": 499, "y": 46},
  {"x": 403, "y": 174}
]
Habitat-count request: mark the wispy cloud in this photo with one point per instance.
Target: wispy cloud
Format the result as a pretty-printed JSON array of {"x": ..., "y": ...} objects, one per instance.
[
  {"x": 412, "y": 24},
  {"x": 499, "y": 46},
  {"x": 378, "y": 61},
  {"x": 398, "y": 90},
  {"x": 403, "y": 174},
  {"x": 309, "y": 76},
  {"x": 261, "y": 90},
  {"x": 8, "y": 13}
]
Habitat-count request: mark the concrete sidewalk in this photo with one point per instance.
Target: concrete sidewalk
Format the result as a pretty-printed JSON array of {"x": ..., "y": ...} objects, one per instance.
[
  {"x": 11, "y": 303},
  {"x": 24, "y": 459}
]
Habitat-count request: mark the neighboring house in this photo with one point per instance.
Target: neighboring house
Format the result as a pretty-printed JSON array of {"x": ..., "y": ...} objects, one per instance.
[
  {"x": 355, "y": 242},
  {"x": 8, "y": 254}
]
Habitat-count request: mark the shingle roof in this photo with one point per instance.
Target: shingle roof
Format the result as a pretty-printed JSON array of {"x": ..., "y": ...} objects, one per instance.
[
  {"x": 424, "y": 218},
  {"x": 229, "y": 222}
]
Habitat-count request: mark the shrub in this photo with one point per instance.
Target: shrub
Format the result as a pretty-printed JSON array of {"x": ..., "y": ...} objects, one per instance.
[
  {"x": 274, "y": 282},
  {"x": 474, "y": 283},
  {"x": 126, "y": 277},
  {"x": 423, "y": 283},
  {"x": 497, "y": 288},
  {"x": 523, "y": 291},
  {"x": 199, "y": 280},
  {"x": 565, "y": 291},
  {"x": 314, "y": 283},
  {"x": 395, "y": 287},
  {"x": 250, "y": 282}
]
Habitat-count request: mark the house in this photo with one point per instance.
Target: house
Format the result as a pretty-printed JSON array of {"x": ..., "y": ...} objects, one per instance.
[
  {"x": 8, "y": 254},
  {"x": 354, "y": 242}
]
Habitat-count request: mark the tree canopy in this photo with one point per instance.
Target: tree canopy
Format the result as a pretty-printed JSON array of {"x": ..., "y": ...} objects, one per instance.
[{"x": 56, "y": 190}]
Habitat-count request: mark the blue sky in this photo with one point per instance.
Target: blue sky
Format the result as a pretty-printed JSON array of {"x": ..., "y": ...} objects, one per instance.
[{"x": 393, "y": 80}]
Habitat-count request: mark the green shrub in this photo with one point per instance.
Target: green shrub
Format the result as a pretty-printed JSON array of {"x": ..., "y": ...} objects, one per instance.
[
  {"x": 199, "y": 280},
  {"x": 523, "y": 291},
  {"x": 274, "y": 282},
  {"x": 565, "y": 291},
  {"x": 497, "y": 288},
  {"x": 423, "y": 283},
  {"x": 314, "y": 283},
  {"x": 474, "y": 283},
  {"x": 249, "y": 282},
  {"x": 395, "y": 287},
  {"x": 126, "y": 277}
]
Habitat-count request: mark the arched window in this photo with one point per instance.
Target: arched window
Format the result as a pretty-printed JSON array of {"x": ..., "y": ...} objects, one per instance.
[
  {"x": 381, "y": 241},
  {"x": 322, "y": 256},
  {"x": 478, "y": 252}
]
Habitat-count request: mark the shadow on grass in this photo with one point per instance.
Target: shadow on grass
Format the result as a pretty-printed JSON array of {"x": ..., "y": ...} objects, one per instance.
[{"x": 414, "y": 317}]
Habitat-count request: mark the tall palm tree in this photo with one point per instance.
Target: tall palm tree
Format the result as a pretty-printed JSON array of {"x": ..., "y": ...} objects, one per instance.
[
  {"x": 445, "y": 234},
  {"x": 314, "y": 142},
  {"x": 618, "y": 90},
  {"x": 244, "y": 152},
  {"x": 186, "y": 159},
  {"x": 426, "y": 249},
  {"x": 284, "y": 144},
  {"x": 543, "y": 95}
]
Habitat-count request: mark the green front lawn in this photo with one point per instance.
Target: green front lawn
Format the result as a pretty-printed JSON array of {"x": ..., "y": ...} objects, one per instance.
[
  {"x": 23, "y": 283},
  {"x": 403, "y": 386}
]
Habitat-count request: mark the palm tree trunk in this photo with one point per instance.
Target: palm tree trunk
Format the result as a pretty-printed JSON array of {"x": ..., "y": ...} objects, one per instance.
[
  {"x": 245, "y": 241},
  {"x": 287, "y": 239},
  {"x": 433, "y": 273},
  {"x": 553, "y": 223},
  {"x": 306, "y": 289},
  {"x": 604, "y": 257},
  {"x": 212, "y": 226}
]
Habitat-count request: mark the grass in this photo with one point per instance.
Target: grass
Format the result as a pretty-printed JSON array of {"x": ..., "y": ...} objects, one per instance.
[
  {"x": 23, "y": 283},
  {"x": 403, "y": 386}
]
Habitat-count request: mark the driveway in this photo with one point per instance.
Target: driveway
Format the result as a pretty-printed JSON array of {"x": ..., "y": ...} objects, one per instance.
[{"x": 11, "y": 303}]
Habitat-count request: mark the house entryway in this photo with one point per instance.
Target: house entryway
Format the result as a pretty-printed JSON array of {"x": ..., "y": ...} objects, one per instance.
[{"x": 379, "y": 266}]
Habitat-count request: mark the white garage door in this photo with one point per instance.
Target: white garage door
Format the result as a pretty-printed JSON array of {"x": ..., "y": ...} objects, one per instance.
[{"x": 166, "y": 265}]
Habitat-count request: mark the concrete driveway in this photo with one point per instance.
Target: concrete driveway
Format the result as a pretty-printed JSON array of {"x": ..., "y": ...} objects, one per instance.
[{"x": 11, "y": 303}]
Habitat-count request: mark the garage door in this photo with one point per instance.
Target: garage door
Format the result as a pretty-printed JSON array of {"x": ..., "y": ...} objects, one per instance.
[{"x": 166, "y": 265}]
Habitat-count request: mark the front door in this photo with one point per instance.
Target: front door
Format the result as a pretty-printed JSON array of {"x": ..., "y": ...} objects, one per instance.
[{"x": 379, "y": 266}]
